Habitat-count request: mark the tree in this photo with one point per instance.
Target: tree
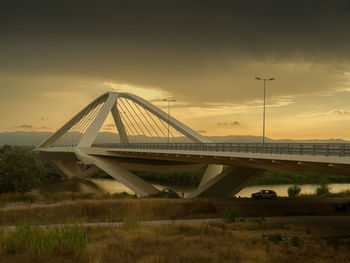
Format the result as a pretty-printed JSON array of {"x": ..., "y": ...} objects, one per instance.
[{"x": 20, "y": 170}]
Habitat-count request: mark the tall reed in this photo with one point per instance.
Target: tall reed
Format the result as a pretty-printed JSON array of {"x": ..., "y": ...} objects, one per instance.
[{"x": 43, "y": 241}]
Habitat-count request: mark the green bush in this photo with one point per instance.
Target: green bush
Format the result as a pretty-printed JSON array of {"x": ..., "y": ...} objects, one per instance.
[
  {"x": 165, "y": 193},
  {"x": 230, "y": 214},
  {"x": 295, "y": 241},
  {"x": 323, "y": 189},
  {"x": 275, "y": 238},
  {"x": 20, "y": 170},
  {"x": 294, "y": 191}
]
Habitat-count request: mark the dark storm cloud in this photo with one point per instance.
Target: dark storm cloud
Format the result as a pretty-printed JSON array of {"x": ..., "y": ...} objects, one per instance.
[
  {"x": 253, "y": 26},
  {"x": 181, "y": 46}
]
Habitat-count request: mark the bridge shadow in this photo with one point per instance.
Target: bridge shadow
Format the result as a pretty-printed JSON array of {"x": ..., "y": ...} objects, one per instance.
[{"x": 75, "y": 184}]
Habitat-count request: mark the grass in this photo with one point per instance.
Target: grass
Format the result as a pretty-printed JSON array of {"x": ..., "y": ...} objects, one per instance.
[
  {"x": 60, "y": 196},
  {"x": 42, "y": 242},
  {"x": 129, "y": 209},
  {"x": 112, "y": 211},
  {"x": 286, "y": 177},
  {"x": 319, "y": 192},
  {"x": 179, "y": 243},
  {"x": 230, "y": 214}
]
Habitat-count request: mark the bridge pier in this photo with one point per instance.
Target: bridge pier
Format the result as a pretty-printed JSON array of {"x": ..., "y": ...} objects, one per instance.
[
  {"x": 121, "y": 174},
  {"x": 211, "y": 171},
  {"x": 67, "y": 169},
  {"x": 226, "y": 183}
]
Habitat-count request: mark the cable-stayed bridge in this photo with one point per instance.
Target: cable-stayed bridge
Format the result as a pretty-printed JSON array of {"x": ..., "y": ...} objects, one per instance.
[{"x": 75, "y": 151}]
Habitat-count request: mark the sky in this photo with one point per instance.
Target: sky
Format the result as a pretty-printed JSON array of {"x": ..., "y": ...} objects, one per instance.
[{"x": 57, "y": 56}]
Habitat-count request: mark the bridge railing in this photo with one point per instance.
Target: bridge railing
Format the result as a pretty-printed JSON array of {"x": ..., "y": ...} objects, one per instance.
[{"x": 323, "y": 149}]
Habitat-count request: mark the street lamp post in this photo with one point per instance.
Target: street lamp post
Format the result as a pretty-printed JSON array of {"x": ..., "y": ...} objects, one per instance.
[
  {"x": 169, "y": 100},
  {"x": 264, "y": 105}
]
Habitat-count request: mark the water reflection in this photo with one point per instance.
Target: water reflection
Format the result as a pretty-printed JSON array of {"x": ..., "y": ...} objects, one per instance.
[{"x": 113, "y": 186}]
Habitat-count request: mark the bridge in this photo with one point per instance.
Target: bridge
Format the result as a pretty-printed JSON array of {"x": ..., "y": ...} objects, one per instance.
[{"x": 150, "y": 139}]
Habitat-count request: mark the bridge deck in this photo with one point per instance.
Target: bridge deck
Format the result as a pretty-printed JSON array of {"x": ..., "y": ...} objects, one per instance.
[{"x": 318, "y": 149}]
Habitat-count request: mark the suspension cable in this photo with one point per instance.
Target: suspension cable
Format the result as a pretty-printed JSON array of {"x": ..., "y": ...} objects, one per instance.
[
  {"x": 155, "y": 122},
  {"x": 145, "y": 118},
  {"x": 128, "y": 131},
  {"x": 122, "y": 107},
  {"x": 143, "y": 133},
  {"x": 139, "y": 117}
]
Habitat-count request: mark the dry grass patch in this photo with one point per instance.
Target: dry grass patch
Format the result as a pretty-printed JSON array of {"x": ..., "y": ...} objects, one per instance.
[
  {"x": 112, "y": 211},
  {"x": 188, "y": 243},
  {"x": 207, "y": 243}
]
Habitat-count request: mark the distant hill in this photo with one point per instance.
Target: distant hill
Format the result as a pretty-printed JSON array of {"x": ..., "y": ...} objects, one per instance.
[
  {"x": 23, "y": 138},
  {"x": 35, "y": 138}
]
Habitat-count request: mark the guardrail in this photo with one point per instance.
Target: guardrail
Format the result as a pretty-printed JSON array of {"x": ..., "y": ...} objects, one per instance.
[{"x": 323, "y": 149}]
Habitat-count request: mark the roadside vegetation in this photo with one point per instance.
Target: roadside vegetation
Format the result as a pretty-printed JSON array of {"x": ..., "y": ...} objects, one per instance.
[
  {"x": 110, "y": 211},
  {"x": 294, "y": 191},
  {"x": 224, "y": 242},
  {"x": 145, "y": 209}
]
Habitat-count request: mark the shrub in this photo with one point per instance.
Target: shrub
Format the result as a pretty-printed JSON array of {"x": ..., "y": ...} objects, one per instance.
[
  {"x": 165, "y": 193},
  {"x": 20, "y": 171},
  {"x": 344, "y": 207},
  {"x": 295, "y": 241},
  {"x": 294, "y": 191},
  {"x": 276, "y": 238},
  {"x": 230, "y": 214},
  {"x": 323, "y": 189}
]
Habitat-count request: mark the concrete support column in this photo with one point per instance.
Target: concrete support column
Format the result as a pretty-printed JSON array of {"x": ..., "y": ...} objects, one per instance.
[
  {"x": 211, "y": 171},
  {"x": 227, "y": 183},
  {"x": 108, "y": 165},
  {"x": 136, "y": 184},
  {"x": 68, "y": 169},
  {"x": 93, "y": 169}
]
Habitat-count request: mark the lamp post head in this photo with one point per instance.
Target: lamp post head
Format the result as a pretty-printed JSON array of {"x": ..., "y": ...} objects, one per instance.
[
  {"x": 258, "y": 78},
  {"x": 272, "y": 79}
]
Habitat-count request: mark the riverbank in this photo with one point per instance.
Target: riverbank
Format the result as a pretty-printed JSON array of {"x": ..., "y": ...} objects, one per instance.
[
  {"x": 269, "y": 177},
  {"x": 308, "y": 237}
]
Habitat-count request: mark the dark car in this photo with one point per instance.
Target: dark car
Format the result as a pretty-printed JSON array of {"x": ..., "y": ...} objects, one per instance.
[{"x": 265, "y": 194}]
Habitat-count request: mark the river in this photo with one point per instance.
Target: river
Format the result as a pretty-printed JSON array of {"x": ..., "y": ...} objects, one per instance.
[{"x": 113, "y": 186}]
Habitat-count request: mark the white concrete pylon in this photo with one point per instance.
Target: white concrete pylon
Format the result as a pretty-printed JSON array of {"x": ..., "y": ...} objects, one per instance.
[
  {"x": 91, "y": 125},
  {"x": 110, "y": 100}
]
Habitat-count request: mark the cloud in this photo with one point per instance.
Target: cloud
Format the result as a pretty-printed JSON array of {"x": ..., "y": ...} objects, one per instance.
[
  {"x": 25, "y": 126},
  {"x": 207, "y": 52},
  {"x": 57, "y": 56},
  {"x": 227, "y": 123},
  {"x": 341, "y": 112}
]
